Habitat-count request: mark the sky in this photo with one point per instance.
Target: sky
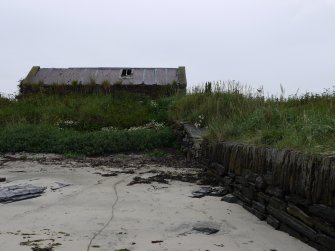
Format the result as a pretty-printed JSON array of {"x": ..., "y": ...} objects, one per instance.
[{"x": 256, "y": 42}]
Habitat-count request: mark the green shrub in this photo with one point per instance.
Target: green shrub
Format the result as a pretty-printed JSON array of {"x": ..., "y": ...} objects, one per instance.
[
  {"x": 47, "y": 139},
  {"x": 87, "y": 112}
]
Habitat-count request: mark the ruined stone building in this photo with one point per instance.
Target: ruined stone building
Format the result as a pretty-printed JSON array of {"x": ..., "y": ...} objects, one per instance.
[{"x": 158, "y": 81}]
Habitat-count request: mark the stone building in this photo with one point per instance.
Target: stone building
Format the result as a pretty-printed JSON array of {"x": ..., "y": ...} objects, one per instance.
[{"x": 161, "y": 81}]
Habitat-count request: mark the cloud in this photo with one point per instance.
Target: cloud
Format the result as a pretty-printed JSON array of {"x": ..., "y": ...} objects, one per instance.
[{"x": 258, "y": 42}]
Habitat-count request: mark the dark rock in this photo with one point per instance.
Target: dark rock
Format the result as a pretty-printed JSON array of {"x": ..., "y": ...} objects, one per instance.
[
  {"x": 317, "y": 246},
  {"x": 42, "y": 249},
  {"x": 220, "y": 169},
  {"x": 155, "y": 242},
  {"x": 275, "y": 191},
  {"x": 227, "y": 180},
  {"x": 260, "y": 183},
  {"x": 209, "y": 191},
  {"x": 290, "y": 231},
  {"x": 2, "y": 179},
  {"x": 323, "y": 211},
  {"x": 163, "y": 178},
  {"x": 140, "y": 180},
  {"x": 252, "y": 185},
  {"x": 263, "y": 198},
  {"x": 259, "y": 207},
  {"x": 201, "y": 192},
  {"x": 251, "y": 177},
  {"x": 268, "y": 179},
  {"x": 116, "y": 173},
  {"x": 297, "y": 200},
  {"x": 237, "y": 187},
  {"x": 277, "y": 203},
  {"x": 229, "y": 198},
  {"x": 273, "y": 222},
  {"x": 248, "y": 193},
  {"x": 109, "y": 174},
  {"x": 326, "y": 241},
  {"x": 242, "y": 198},
  {"x": 258, "y": 214},
  {"x": 293, "y": 223},
  {"x": 240, "y": 180},
  {"x": 218, "y": 191},
  {"x": 323, "y": 226},
  {"x": 206, "y": 228},
  {"x": 300, "y": 214}
]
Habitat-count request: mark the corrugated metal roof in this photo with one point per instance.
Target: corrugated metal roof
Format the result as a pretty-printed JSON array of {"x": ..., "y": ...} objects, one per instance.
[{"x": 147, "y": 76}]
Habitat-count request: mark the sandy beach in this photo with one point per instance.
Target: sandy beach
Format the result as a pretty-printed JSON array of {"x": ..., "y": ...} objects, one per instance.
[{"x": 96, "y": 212}]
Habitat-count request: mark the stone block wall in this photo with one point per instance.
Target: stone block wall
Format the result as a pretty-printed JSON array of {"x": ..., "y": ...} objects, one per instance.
[{"x": 291, "y": 191}]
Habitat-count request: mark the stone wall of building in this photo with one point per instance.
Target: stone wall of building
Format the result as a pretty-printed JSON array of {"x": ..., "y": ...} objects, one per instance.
[{"x": 291, "y": 191}]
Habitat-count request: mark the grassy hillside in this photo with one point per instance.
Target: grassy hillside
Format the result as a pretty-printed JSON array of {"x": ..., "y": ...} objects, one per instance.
[{"x": 233, "y": 113}]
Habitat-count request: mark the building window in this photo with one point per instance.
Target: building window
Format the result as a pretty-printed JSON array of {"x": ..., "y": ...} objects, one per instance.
[{"x": 126, "y": 72}]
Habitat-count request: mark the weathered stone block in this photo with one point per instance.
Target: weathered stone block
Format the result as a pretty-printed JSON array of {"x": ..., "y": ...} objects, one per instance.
[
  {"x": 229, "y": 198},
  {"x": 293, "y": 223},
  {"x": 275, "y": 191},
  {"x": 240, "y": 180},
  {"x": 326, "y": 241},
  {"x": 240, "y": 196},
  {"x": 255, "y": 212},
  {"x": 259, "y": 207},
  {"x": 220, "y": 169},
  {"x": 323, "y": 211},
  {"x": 248, "y": 193},
  {"x": 300, "y": 214},
  {"x": 292, "y": 232},
  {"x": 323, "y": 226},
  {"x": 268, "y": 179},
  {"x": 237, "y": 187},
  {"x": 251, "y": 177},
  {"x": 297, "y": 200},
  {"x": 272, "y": 221},
  {"x": 260, "y": 183},
  {"x": 277, "y": 203},
  {"x": 263, "y": 198},
  {"x": 227, "y": 180}
]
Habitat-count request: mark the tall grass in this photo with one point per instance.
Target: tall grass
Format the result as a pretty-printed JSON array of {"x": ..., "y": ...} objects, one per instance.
[
  {"x": 84, "y": 124},
  {"x": 84, "y": 112},
  {"x": 233, "y": 112}
]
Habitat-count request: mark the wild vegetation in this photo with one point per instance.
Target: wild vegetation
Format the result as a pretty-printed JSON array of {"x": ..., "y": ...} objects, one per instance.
[
  {"x": 233, "y": 112},
  {"x": 97, "y": 123},
  {"x": 84, "y": 124}
]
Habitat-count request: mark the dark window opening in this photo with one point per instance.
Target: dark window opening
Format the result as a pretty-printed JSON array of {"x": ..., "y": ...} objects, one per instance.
[{"x": 126, "y": 72}]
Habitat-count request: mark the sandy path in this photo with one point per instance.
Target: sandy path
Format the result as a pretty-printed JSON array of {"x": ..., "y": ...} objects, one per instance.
[{"x": 89, "y": 210}]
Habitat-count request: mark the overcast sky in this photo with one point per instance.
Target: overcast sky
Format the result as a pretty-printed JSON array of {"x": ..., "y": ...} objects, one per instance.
[{"x": 257, "y": 42}]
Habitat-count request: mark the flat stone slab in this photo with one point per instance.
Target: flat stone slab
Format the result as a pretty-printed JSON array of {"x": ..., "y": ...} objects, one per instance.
[
  {"x": 19, "y": 192},
  {"x": 209, "y": 191}
]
